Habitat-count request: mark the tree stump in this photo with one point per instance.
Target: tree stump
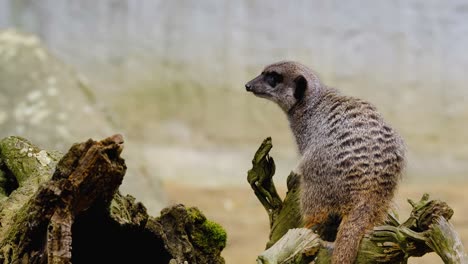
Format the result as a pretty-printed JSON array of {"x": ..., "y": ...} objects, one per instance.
[
  {"x": 70, "y": 210},
  {"x": 426, "y": 230}
]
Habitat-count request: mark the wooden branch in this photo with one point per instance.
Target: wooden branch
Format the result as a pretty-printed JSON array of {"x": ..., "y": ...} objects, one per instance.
[
  {"x": 283, "y": 215},
  {"x": 426, "y": 230},
  {"x": 290, "y": 248},
  {"x": 260, "y": 179},
  {"x": 43, "y": 215},
  {"x": 446, "y": 243}
]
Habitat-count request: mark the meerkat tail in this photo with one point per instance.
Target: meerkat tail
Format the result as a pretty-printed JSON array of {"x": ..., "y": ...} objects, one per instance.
[{"x": 351, "y": 230}]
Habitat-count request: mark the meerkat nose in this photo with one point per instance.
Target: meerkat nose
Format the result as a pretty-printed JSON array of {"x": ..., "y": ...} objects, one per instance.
[{"x": 247, "y": 87}]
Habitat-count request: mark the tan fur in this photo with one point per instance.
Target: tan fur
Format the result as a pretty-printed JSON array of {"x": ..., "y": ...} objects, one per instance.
[{"x": 351, "y": 159}]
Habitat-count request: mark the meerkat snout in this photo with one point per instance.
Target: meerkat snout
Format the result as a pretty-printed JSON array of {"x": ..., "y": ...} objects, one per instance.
[{"x": 265, "y": 84}]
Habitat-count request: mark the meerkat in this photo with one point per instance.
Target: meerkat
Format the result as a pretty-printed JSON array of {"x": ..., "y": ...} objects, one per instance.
[{"x": 351, "y": 159}]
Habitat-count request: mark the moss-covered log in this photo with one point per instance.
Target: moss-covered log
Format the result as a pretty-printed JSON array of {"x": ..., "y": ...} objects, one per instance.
[
  {"x": 426, "y": 230},
  {"x": 76, "y": 214}
]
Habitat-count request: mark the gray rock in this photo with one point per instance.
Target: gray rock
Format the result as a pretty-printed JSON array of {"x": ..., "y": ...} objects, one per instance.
[
  {"x": 42, "y": 99},
  {"x": 47, "y": 102}
]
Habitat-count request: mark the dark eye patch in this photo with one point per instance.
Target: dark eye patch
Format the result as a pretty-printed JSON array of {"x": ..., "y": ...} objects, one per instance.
[{"x": 273, "y": 78}]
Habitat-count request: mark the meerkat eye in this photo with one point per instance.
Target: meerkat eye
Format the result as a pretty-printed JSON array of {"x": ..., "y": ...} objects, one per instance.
[{"x": 273, "y": 78}]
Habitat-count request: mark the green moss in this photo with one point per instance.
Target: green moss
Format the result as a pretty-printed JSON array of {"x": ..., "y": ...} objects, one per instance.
[
  {"x": 196, "y": 215},
  {"x": 207, "y": 235},
  {"x": 3, "y": 184}
]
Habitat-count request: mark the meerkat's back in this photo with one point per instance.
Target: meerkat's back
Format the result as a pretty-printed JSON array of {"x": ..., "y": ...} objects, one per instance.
[
  {"x": 365, "y": 161},
  {"x": 367, "y": 154}
]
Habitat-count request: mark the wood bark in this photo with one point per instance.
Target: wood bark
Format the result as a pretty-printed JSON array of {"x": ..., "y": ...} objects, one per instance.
[
  {"x": 71, "y": 211},
  {"x": 426, "y": 230}
]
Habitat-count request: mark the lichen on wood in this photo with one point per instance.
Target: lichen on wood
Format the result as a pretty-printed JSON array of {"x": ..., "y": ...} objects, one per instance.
[{"x": 426, "y": 230}]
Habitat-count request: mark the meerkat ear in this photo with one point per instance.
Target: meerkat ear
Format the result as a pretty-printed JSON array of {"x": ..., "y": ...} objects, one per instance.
[{"x": 301, "y": 86}]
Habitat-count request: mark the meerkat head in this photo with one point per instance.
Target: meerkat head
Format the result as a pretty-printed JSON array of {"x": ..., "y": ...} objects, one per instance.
[{"x": 284, "y": 83}]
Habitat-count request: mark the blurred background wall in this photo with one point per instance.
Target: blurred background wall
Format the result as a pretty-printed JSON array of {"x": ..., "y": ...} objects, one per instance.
[{"x": 172, "y": 72}]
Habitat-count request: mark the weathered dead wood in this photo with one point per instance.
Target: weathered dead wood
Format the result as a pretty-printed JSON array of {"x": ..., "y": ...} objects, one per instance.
[
  {"x": 89, "y": 171},
  {"x": 77, "y": 215},
  {"x": 426, "y": 230}
]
